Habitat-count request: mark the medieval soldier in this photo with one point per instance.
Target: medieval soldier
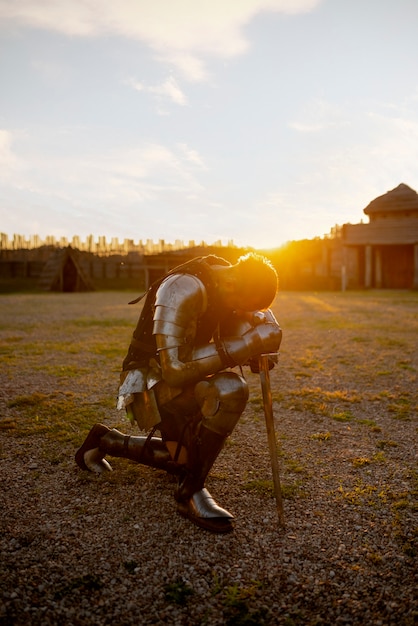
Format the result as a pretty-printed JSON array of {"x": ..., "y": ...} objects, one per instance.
[{"x": 200, "y": 321}]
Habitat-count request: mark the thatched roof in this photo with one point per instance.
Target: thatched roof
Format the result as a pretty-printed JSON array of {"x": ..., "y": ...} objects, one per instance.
[{"x": 400, "y": 199}]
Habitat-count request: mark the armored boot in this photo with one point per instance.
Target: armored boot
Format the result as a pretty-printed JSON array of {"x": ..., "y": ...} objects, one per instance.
[
  {"x": 101, "y": 441},
  {"x": 193, "y": 499}
]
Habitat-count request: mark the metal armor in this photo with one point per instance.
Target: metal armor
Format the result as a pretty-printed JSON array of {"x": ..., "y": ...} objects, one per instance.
[
  {"x": 222, "y": 399},
  {"x": 180, "y": 300}
]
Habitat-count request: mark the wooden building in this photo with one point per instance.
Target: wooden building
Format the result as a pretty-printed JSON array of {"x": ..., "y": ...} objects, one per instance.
[{"x": 383, "y": 254}]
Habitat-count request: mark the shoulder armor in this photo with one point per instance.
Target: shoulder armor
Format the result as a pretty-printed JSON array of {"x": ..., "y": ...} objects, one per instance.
[{"x": 180, "y": 299}]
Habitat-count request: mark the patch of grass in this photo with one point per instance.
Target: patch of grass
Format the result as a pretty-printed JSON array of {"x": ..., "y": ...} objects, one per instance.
[
  {"x": 36, "y": 348},
  {"x": 406, "y": 365},
  {"x": 379, "y": 457},
  {"x": 295, "y": 466},
  {"x": 402, "y": 407},
  {"x": 360, "y": 461},
  {"x": 391, "y": 342},
  {"x": 342, "y": 416},
  {"x": 367, "y": 422},
  {"x": 235, "y": 594},
  {"x": 363, "y": 461},
  {"x": 32, "y": 400},
  {"x": 303, "y": 375},
  {"x": 359, "y": 494},
  {"x": 321, "y": 401},
  {"x": 386, "y": 443},
  {"x": 308, "y": 361},
  {"x": 261, "y": 487},
  {"x": 106, "y": 322},
  {"x": 222, "y": 476},
  {"x": 256, "y": 401},
  {"x": 64, "y": 371},
  {"x": 336, "y": 323},
  {"x": 290, "y": 491},
  {"x": 360, "y": 339},
  {"x": 178, "y": 592},
  {"x": 374, "y": 557},
  {"x": 401, "y": 504},
  {"x": 237, "y": 599},
  {"x": 109, "y": 351},
  {"x": 321, "y": 436},
  {"x": 237, "y": 602},
  {"x": 265, "y": 488},
  {"x": 8, "y": 424},
  {"x": 125, "y": 472},
  {"x": 58, "y": 416}
]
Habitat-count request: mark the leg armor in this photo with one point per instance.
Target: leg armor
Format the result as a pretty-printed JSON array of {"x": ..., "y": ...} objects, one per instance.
[
  {"x": 101, "y": 440},
  {"x": 222, "y": 399}
]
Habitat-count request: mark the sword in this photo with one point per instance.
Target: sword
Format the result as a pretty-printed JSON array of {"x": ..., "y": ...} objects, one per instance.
[{"x": 271, "y": 435}]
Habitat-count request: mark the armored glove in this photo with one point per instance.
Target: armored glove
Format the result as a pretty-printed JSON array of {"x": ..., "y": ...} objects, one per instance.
[{"x": 262, "y": 339}]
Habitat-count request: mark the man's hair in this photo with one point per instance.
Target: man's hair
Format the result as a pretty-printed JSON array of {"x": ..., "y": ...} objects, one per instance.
[{"x": 257, "y": 280}]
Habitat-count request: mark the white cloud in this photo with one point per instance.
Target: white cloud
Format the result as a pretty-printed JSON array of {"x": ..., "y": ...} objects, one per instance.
[
  {"x": 188, "y": 65},
  {"x": 179, "y": 31},
  {"x": 126, "y": 190},
  {"x": 168, "y": 89},
  {"x": 192, "y": 156},
  {"x": 128, "y": 174}
]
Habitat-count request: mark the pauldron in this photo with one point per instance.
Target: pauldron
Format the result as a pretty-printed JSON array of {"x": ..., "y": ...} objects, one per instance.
[{"x": 179, "y": 301}]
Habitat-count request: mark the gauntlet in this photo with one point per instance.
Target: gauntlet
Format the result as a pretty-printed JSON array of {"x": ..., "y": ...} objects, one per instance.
[{"x": 262, "y": 339}]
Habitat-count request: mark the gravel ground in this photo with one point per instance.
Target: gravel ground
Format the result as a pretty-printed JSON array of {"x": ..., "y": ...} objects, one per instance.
[{"x": 76, "y": 549}]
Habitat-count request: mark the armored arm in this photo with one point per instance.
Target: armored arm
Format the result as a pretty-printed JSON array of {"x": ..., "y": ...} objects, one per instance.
[{"x": 180, "y": 300}]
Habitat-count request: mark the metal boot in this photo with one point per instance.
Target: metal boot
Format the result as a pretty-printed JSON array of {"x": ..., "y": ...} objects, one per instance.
[
  {"x": 193, "y": 499},
  {"x": 101, "y": 440}
]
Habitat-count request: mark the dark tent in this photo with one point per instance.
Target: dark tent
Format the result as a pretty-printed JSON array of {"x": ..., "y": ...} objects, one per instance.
[{"x": 63, "y": 272}]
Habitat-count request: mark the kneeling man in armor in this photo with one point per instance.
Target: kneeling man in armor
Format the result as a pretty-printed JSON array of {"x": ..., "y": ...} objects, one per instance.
[{"x": 202, "y": 320}]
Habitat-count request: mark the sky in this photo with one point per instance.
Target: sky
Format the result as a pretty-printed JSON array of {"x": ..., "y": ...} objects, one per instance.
[{"x": 253, "y": 121}]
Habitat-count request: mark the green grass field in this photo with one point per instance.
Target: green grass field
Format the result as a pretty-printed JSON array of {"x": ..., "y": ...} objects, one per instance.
[{"x": 61, "y": 355}]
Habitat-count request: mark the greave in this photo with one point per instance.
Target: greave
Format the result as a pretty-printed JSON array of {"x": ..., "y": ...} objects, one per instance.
[
  {"x": 202, "y": 455},
  {"x": 101, "y": 441},
  {"x": 147, "y": 451},
  {"x": 194, "y": 500}
]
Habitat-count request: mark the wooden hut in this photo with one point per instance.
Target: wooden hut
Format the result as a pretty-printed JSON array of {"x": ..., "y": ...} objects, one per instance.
[
  {"x": 63, "y": 272},
  {"x": 384, "y": 252}
]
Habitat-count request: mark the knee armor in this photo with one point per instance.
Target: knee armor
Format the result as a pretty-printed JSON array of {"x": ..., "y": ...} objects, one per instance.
[{"x": 222, "y": 399}]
